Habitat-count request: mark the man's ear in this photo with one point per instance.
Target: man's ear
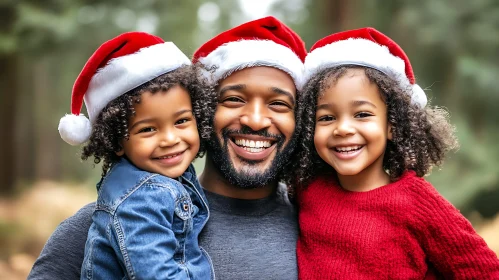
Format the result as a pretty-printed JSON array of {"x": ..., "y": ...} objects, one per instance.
[
  {"x": 390, "y": 135},
  {"x": 120, "y": 152}
]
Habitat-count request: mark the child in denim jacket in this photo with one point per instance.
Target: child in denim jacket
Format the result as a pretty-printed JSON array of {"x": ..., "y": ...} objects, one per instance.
[{"x": 143, "y": 99}]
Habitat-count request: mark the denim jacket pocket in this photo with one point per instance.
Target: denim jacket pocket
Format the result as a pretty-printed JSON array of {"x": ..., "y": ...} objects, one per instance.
[{"x": 183, "y": 208}]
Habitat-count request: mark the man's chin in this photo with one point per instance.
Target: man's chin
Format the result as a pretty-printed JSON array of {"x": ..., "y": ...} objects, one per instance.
[
  {"x": 251, "y": 174},
  {"x": 240, "y": 172},
  {"x": 247, "y": 174}
]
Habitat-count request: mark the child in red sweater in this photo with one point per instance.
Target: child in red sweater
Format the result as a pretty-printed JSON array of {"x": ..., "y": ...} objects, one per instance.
[{"x": 365, "y": 212}]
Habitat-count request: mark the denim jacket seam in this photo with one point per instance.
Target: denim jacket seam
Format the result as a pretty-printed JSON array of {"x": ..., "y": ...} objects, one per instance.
[
  {"x": 176, "y": 196},
  {"x": 111, "y": 208},
  {"x": 123, "y": 250}
]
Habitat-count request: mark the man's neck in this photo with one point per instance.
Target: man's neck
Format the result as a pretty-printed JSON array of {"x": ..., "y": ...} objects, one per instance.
[{"x": 213, "y": 181}]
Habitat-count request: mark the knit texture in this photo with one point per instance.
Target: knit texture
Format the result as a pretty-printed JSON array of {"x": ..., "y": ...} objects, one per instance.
[{"x": 404, "y": 230}]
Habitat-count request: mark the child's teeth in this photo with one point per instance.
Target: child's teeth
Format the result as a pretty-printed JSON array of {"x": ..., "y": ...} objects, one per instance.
[{"x": 348, "y": 149}]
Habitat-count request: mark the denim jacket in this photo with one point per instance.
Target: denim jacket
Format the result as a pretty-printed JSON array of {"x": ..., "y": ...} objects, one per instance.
[{"x": 146, "y": 226}]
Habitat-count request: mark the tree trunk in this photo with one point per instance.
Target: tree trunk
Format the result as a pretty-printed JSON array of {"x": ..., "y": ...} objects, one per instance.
[{"x": 8, "y": 98}]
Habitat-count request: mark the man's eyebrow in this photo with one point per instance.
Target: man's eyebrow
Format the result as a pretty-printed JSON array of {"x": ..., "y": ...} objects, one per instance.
[
  {"x": 362, "y": 102},
  {"x": 285, "y": 92},
  {"x": 231, "y": 87}
]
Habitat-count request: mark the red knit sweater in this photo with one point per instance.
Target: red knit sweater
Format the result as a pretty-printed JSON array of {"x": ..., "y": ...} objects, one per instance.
[{"x": 397, "y": 231}]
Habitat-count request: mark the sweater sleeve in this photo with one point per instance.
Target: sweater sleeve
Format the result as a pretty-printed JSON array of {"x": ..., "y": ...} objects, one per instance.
[{"x": 447, "y": 237}]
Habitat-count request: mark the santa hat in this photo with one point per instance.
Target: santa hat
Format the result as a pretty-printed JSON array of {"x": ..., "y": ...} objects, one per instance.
[
  {"x": 116, "y": 67},
  {"x": 364, "y": 47},
  {"x": 262, "y": 42}
]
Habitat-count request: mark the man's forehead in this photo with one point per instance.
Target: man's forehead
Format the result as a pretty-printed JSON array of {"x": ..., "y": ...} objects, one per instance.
[{"x": 260, "y": 76}]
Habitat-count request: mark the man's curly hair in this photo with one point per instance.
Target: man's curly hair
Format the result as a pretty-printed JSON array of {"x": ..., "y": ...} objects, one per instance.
[
  {"x": 421, "y": 136},
  {"x": 111, "y": 125}
]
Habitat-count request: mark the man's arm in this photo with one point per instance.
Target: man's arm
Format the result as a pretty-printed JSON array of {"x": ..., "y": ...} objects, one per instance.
[{"x": 62, "y": 255}]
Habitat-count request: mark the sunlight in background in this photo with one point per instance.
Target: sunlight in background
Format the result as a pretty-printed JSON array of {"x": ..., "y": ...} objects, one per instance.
[
  {"x": 255, "y": 9},
  {"x": 208, "y": 12}
]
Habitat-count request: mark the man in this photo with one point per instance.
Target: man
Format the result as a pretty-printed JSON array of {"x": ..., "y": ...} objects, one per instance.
[{"x": 255, "y": 70}]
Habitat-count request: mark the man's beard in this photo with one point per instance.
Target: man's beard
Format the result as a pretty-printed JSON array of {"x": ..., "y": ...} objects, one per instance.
[{"x": 250, "y": 176}]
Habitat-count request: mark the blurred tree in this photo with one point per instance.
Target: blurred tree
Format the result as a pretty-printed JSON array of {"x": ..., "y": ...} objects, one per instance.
[
  {"x": 44, "y": 44},
  {"x": 8, "y": 83}
]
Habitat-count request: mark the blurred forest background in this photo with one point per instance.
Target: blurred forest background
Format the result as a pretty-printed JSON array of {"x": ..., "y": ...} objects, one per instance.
[{"x": 453, "y": 46}]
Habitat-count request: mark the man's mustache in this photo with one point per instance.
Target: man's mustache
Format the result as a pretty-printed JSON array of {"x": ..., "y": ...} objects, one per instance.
[{"x": 245, "y": 130}]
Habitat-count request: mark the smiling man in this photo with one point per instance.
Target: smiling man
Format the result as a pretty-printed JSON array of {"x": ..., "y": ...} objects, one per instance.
[
  {"x": 253, "y": 131},
  {"x": 254, "y": 70}
]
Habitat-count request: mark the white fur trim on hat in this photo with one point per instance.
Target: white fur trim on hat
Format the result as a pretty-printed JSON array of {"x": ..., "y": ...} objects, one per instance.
[
  {"x": 75, "y": 130},
  {"x": 418, "y": 96},
  {"x": 125, "y": 73},
  {"x": 362, "y": 52},
  {"x": 234, "y": 56}
]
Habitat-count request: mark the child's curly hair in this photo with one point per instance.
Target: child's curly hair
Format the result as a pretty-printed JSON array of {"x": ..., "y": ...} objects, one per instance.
[
  {"x": 111, "y": 126},
  {"x": 421, "y": 136}
]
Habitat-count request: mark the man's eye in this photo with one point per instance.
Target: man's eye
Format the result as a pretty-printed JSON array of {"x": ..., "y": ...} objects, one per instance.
[
  {"x": 232, "y": 99},
  {"x": 280, "y": 104},
  {"x": 147, "y": 129},
  {"x": 325, "y": 119}
]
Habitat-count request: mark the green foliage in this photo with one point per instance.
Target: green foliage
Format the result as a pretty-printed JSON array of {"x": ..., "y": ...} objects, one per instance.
[{"x": 452, "y": 45}]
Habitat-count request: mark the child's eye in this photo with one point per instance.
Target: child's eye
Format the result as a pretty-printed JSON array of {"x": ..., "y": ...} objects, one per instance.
[
  {"x": 147, "y": 129},
  {"x": 363, "y": 115},
  {"x": 181, "y": 121},
  {"x": 326, "y": 118}
]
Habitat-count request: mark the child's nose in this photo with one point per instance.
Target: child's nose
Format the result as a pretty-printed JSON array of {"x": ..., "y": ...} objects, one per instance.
[
  {"x": 344, "y": 128},
  {"x": 169, "y": 138}
]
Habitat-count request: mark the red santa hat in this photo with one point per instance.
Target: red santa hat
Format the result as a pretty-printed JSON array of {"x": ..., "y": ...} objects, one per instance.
[
  {"x": 116, "y": 67},
  {"x": 262, "y": 42},
  {"x": 364, "y": 47}
]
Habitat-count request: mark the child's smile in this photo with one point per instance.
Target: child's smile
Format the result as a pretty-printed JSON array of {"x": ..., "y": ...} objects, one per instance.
[
  {"x": 348, "y": 151},
  {"x": 352, "y": 130}
]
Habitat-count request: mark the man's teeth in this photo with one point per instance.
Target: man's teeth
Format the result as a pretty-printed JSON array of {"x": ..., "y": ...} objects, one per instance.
[
  {"x": 347, "y": 149},
  {"x": 253, "y": 144}
]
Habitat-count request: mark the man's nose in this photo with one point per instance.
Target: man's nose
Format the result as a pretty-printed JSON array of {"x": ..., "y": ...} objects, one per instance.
[{"x": 255, "y": 116}]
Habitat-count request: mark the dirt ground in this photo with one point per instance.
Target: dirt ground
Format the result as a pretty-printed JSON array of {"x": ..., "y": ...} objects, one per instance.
[{"x": 27, "y": 221}]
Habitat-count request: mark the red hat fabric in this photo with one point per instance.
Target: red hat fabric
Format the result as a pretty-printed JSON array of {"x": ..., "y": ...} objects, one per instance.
[
  {"x": 364, "y": 47},
  {"x": 262, "y": 42},
  {"x": 116, "y": 67}
]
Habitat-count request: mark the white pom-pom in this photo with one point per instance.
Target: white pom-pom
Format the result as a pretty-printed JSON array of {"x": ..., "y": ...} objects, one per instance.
[
  {"x": 75, "y": 130},
  {"x": 418, "y": 96}
]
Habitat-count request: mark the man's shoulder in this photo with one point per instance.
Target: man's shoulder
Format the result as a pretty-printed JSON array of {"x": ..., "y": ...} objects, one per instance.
[
  {"x": 62, "y": 255},
  {"x": 76, "y": 225},
  {"x": 82, "y": 215}
]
